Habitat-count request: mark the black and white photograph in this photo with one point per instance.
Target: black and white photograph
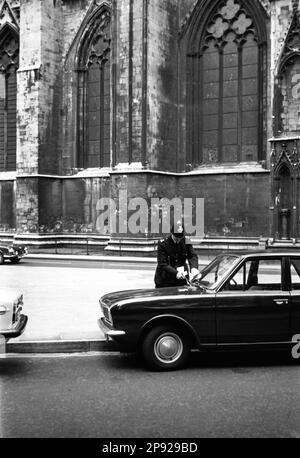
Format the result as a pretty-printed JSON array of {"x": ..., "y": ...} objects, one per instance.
[{"x": 149, "y": 223}]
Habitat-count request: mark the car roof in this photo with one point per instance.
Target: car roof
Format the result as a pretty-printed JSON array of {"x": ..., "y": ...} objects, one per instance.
[{"x": 263, "y": 253}]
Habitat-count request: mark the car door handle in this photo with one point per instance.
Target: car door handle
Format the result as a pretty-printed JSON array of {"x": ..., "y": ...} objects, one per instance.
[{"x": 281, "y": 301}]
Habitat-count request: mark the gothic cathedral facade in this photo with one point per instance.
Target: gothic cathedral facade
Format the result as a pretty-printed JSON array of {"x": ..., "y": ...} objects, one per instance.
[{"x": 161, "y": 99}]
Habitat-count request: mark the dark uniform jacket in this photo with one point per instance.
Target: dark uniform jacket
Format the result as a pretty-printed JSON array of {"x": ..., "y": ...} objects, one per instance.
[{"x": 171, "y": 255}]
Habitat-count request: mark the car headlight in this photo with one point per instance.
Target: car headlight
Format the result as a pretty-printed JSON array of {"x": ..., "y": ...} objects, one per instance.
[
  {"x": 3, "y": 309},
  {"x": 106, "y": 312}
]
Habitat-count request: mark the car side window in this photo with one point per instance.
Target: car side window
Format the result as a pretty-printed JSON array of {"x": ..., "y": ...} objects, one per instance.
[
  {"x": 295, "y": 273},
  {"x": 238, "y": 282},
  {"x": 257, "y": 275},
  {"x": 268, "y": 275}
]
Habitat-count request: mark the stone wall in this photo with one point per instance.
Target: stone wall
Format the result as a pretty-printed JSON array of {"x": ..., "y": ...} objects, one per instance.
[
  {"x": 235, "y": 204},
  {"x": 71, "y": 205},
  {"x": 162, "y": 85},
  {"x": 29, "y": 75},
  {"x": 7, "y": 206},
  {"x": 27, "y": 205},
  {"x": 81, "y": 204},
  {"x": 38, "y": 108},
  {"x": 147, "y": 114},
  {"x": 40, "y": 88},
  {"x": 50, "y": 94},
  {"x": 50, "y": 203}
]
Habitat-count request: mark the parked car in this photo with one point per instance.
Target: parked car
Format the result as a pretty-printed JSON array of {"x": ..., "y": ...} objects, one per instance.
[
  {"x": 14, "y": 253},
  {"x": 246, "y": 300},
  {"x": 12, "y": 321}
]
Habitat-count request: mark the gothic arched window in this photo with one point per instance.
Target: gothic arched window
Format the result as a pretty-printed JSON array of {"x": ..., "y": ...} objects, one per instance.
[
  {"x": 94, "y": 94},
  {"x": 9, "y": 62},
  {"x": 225, "y": 85}
]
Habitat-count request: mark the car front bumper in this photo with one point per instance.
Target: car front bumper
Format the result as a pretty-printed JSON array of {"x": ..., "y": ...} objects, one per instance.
[
  {"x": 16, "y": 254},
  {"x": 17, "y": 330},
  {"x": 13, "y": 256},
  {"x": 108, "y": 332}
]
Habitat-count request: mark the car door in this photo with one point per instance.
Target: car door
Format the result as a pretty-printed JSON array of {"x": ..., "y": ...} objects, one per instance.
[
  {"x": 253, "y": 306},
  {"x": 295, "y": 296}
]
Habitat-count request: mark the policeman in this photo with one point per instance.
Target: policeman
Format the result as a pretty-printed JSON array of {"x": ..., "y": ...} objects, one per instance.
[{"x": 173, "y": 254}]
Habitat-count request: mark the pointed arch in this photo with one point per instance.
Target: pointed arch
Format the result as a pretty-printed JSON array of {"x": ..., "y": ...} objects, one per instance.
[
  {"x": 9, "y": 63},
  {"x": 205, "y": 9},
  {"x": 8, "y": 17},
  {"x": 284, "y": 163},
  {"x": 93, "y": 66},
  {"x": 226, "y": 82}
]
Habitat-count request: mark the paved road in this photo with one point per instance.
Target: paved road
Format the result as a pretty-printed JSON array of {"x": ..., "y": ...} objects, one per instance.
[
  {"x": 62, "y": 297},
  {"x": 109, "y": 396}
]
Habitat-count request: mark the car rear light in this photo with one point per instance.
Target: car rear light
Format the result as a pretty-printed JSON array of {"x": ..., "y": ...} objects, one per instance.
[{"x": 3, "y": 309}]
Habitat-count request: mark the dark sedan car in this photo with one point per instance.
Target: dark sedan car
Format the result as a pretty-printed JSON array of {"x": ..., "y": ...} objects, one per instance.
[
  {"x": 14, "y": 253},
  {"x": 249, "y": 300}
]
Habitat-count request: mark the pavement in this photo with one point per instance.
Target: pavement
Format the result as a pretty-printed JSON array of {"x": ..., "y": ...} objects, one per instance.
[{"x": 69, "y": 325}]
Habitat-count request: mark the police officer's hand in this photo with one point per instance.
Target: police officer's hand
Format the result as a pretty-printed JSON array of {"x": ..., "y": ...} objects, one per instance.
[
  {"x": 180, "y": 276},
  {"x": 194, "y": 272}
]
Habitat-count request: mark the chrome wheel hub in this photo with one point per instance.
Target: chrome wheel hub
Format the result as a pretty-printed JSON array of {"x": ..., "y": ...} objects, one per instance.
[{"x": 168, "y": 348}]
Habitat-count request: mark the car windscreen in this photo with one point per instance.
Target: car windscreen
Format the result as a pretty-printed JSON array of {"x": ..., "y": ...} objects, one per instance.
[{"x": 216, "y": 271}]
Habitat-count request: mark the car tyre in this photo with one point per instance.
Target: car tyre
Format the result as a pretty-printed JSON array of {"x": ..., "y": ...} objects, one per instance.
[
  {"x": 1, "y": 258},
  {"x": 166, "y": 348}
]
